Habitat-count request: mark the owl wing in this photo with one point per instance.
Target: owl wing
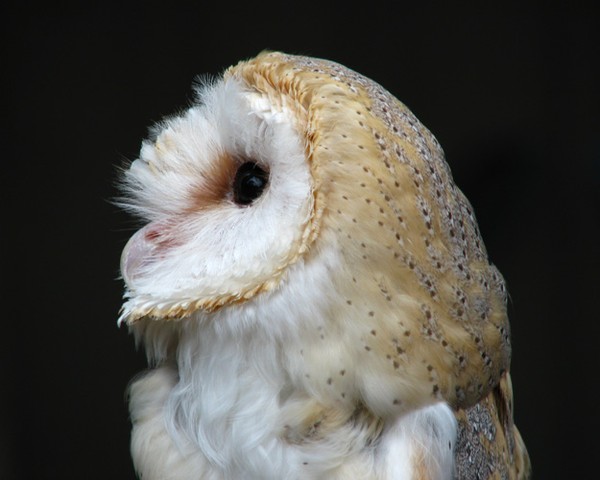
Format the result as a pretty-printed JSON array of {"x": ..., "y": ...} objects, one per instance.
[{"x": 489, "y": 445}]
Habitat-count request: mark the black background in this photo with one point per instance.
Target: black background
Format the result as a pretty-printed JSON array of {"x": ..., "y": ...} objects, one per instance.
[{"x": 511, "y": 94}]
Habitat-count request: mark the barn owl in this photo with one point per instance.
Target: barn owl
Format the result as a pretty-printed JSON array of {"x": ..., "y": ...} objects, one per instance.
[{"x": 312, "y": 291}]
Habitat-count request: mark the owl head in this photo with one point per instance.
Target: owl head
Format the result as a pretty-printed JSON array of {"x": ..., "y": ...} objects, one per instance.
[
  {"x": 228, "y": 196},
  {"x": 290, "y": 164}
]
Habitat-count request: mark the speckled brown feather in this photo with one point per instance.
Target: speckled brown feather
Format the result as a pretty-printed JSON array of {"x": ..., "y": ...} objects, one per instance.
[
  {"x": 429, "y": 306},
  {"x": 489, "y": 445}
]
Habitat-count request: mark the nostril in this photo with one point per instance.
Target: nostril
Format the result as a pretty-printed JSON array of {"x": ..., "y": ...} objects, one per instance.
[
  {"x": 162, "y": 235},
  {"x": 153, "y": 235}
]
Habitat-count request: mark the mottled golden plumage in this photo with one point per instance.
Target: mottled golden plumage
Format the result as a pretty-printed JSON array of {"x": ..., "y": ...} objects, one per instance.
[
  {"x": 432, "y": 305},
  {"x": 418, "y": 314}
]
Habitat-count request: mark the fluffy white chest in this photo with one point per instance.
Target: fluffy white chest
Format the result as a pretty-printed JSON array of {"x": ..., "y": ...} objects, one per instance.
[{"x": 225, "y": 411}]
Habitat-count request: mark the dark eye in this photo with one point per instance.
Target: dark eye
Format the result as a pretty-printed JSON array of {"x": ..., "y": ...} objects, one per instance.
[{"x": 250, "y": 181}]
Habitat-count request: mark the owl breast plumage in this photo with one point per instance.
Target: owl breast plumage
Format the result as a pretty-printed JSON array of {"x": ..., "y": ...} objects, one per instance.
[{"x": 312, "y": 290}]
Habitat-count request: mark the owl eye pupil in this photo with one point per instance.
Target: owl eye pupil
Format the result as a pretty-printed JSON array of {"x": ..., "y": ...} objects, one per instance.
[{"x": 249, "y": 183}]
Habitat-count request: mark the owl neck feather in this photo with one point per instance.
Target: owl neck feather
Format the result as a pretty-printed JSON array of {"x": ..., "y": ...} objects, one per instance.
[{"x": 248, "y": 393}]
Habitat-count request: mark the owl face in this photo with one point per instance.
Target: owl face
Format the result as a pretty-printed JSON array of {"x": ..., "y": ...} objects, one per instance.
[{"x": 226, "y": 190}]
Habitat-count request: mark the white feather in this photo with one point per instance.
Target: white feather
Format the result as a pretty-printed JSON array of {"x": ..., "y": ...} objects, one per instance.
[{"x": 429, "y": 434}]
